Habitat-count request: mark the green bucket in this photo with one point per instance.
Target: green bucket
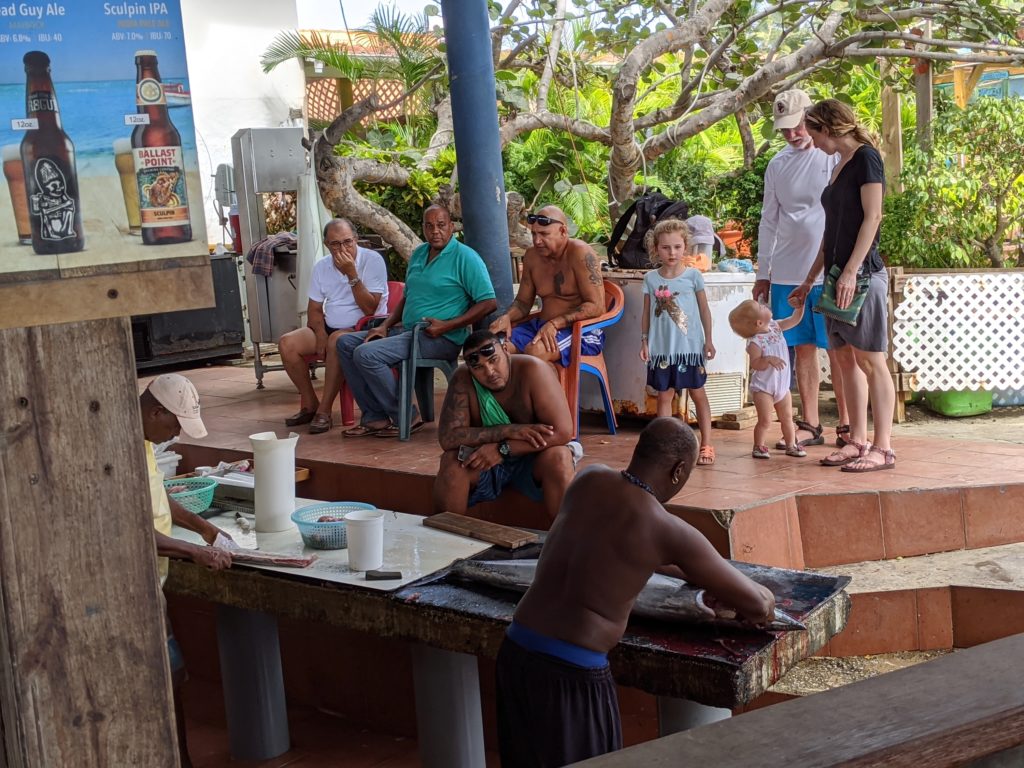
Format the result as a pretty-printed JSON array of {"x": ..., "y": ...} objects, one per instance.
[{"x": 957, "y": 403}]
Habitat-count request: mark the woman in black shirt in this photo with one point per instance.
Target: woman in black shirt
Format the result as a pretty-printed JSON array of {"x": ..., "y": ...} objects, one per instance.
[{"x": 853, "y": 213}]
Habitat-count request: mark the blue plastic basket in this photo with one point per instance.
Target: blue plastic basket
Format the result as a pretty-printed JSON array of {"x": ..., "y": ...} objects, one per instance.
[
  {"x": 325, "y": 535},
  {"x": 198, "y": 495}
]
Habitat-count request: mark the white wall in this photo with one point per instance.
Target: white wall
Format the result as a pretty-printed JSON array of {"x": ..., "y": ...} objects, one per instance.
[{"x": 224, "y": 40}]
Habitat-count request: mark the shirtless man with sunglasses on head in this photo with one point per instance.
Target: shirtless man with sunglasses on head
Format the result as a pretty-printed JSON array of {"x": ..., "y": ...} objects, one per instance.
[{"x": 566, "y": 274}]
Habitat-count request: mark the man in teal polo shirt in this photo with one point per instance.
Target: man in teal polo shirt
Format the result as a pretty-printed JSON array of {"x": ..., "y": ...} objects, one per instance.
[{"x": 447, "y": 287}]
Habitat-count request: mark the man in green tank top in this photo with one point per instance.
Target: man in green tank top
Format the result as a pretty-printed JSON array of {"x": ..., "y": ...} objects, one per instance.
[{"x": 504, "y": 423}]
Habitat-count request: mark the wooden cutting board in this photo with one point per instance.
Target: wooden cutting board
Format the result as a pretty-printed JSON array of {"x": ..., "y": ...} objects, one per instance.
[{"x": 481, "y": 530}]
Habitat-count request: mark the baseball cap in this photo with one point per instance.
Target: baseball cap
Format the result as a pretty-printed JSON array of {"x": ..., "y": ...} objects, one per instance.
[
  {"x": 178, "y": 395},
  {"x": 701, "y": 230},
  {"x": 789, "y": 108}
]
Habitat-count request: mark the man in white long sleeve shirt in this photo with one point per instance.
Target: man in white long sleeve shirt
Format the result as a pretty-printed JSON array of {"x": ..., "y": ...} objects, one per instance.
[{"x": 789, "y": 236}]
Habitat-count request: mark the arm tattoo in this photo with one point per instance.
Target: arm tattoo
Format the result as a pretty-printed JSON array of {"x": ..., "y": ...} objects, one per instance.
[
  {"x": 521, "y": 306},
  {"x": 593, "y": 271},
  {"x": 454, "y": 427}
]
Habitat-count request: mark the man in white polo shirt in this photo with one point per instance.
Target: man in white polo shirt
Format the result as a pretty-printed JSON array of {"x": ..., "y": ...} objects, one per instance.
[
  {"x": 346, "y": 285},
  {"x": 792, "y": 225}
]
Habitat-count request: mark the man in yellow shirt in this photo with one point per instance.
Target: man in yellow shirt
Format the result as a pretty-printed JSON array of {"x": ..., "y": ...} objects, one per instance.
[{"x": 170, "y": 405}]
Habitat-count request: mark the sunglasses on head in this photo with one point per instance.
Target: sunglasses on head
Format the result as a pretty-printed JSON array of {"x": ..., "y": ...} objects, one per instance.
[
  {"x": 486, "y": 352},
  {"x": 544, "y": 221}
]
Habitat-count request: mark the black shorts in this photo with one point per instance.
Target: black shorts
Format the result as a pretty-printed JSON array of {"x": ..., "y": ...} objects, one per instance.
[{"x": 551, "y": 713}]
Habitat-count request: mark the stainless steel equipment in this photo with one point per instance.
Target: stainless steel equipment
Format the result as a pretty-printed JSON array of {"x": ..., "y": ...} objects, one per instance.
[{"x": 267, "y": 160}]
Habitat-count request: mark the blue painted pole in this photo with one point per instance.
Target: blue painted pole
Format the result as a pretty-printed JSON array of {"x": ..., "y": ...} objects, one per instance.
[{"x": 467, "y": 31}]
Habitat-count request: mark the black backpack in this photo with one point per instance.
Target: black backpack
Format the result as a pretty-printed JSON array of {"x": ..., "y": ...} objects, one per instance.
[{"x": 638, "y": 219}]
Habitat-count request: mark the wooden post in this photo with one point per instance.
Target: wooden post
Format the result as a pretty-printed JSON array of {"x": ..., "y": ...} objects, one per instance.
[
  {"x": 892, "y": 134},
  {"x": 84, "y": 678}
]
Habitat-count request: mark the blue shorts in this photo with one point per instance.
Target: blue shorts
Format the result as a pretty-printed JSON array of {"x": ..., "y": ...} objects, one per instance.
[
  {"x": 591, "y": 344},
  {"x": 677, "y": 377},
  {"x": 516, "y": 471},
  {"x": 811, "y": 329}
]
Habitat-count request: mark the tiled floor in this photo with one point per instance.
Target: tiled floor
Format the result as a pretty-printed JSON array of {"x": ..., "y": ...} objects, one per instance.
[{"x": 233, "y": 409}]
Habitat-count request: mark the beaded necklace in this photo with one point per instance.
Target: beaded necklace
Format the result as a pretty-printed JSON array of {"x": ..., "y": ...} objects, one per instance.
[{"x": 637, "y": 482}]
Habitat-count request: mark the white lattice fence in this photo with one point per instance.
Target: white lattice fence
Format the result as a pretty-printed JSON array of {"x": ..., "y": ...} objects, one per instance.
[{"x": 962, "y": 331}]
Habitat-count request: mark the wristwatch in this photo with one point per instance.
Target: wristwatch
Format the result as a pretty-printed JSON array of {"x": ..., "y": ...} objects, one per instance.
[
  {"x": 354, "y": 282},
  {"x": 504, "y": 449}
]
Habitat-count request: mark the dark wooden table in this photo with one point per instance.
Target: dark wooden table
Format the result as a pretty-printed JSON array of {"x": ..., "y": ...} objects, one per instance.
[{"x": 451, "y": 622}]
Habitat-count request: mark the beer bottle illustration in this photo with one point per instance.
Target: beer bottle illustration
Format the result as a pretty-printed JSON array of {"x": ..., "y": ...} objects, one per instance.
[
  {"x": 48, "y": 160},
  {"x": 159, "y": 165}
]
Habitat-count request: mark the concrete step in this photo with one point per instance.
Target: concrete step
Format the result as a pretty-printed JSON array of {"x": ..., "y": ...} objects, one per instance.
[{"x": 932, "y": 602}]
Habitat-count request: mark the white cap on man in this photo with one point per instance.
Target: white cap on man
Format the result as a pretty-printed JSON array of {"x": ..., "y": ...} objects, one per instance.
[
  {"x": 789, "y": 108},
  {"x": 179, "y": 396}
]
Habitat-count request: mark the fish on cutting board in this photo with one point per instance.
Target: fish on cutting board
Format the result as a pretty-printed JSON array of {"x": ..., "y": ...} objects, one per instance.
[{"x": 664, "y": 598}]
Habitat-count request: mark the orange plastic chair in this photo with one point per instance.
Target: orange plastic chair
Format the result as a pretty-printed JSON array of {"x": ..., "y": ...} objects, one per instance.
[
  {"x": 615, "y": 303},
  {"x": 396, "y": 290}
]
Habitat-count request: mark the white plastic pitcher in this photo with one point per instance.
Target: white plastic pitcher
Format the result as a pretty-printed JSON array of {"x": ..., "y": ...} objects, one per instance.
[{"x": 275, "y": 480}]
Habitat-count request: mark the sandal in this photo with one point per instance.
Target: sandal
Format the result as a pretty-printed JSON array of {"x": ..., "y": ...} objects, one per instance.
[
  {"x": 839, "y": 458},
  {"x": 842, "y": 429},
  {"x": 706, "y": 456},
  {"x": 817, "y": 438},
  {"x": 361, "y": 430},
  {"x": 888, "y": 461},
  {"x": 392, "y": 429},
  {"x": 760, "y": 452},
  {"x": 796, "y": 451},
  {"x": 320, "y": 424}
]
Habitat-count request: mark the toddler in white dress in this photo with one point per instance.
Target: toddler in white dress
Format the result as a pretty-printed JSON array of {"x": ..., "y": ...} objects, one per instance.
[{"x": 770, "y": 373}]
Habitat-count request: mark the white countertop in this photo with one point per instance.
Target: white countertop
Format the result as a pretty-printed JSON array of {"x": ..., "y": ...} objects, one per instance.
[{"x": 409, "y": 547}]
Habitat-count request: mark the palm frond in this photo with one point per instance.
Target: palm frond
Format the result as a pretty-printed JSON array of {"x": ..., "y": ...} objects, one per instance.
[{"x": 292, "y": 45}]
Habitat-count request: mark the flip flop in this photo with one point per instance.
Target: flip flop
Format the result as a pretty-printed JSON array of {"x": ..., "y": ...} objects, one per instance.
[
  {"x": 392, "y": 430},
  {"x": 888, "y": 461},
  {"x": 361, "y": 430}
]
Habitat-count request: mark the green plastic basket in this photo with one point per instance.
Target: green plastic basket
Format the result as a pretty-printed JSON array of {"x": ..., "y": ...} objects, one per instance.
[{"x": 198, "y": 495}]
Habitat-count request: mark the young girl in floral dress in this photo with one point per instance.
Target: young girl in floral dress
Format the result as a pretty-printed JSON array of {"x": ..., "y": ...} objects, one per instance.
[{"x": 676, "y": 322}]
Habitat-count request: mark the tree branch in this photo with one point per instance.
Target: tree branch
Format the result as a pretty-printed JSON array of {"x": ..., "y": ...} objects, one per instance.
[
  {"x": 903, "y": 53},
  {"x": 749, "y": 90},
  {"x": 444, "y": 134},
  {"x": 532, "y": 121},
  {"x": 747, "y": 137},
  {"x": 348, "y": 119},
  {"x": 554, "y": 45},
  {"x": 625, "y": 158},
  {"x": 525, "y": 43}
]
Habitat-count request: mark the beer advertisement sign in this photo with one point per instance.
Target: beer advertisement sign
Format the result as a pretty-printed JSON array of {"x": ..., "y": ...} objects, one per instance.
[{"x": 97, "y": 138}]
